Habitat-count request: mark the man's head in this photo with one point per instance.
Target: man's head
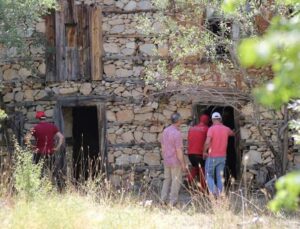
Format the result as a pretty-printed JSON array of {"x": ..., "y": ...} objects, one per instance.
[
  {"x": 204, "y": 119},
  {"x": 216, "y": 117},
  {"x": 176, "y": 119},
  {"x": 40, "y": 115}
]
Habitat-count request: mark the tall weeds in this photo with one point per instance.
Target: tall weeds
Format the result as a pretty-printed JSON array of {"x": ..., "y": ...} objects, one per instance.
[{"x": 27, "y": 177}]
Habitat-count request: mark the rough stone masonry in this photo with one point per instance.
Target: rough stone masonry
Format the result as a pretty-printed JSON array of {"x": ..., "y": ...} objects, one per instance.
[{"x": 135, "y": 118}]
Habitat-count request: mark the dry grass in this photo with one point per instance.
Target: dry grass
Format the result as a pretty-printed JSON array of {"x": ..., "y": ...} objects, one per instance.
[
  {"x": 71, "y": 210},
  {"x": 96, "y": 204}
]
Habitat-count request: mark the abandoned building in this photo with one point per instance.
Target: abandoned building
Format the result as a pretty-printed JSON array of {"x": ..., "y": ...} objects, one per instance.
[{"x": 87, "y": 79}]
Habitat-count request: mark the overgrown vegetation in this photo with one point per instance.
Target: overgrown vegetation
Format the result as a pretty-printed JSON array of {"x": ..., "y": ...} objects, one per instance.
[
  {"x": 18, "y": 17},
  {"x": 29, "y": 181},
  {"x": 75, "y": 211},
  {"x": 96, "y": 204},
  {"x": 3, "y": 116},
  {"x": 198, "y": 47},
  {"x": 279, "y": 47}
]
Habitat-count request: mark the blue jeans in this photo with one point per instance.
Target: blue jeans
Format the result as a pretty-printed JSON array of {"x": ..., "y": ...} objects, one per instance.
[{"x": 214, "y": 166}]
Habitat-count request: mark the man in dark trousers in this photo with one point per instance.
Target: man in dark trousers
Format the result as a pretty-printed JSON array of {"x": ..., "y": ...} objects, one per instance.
[
  {"x": 45, "y": 134},
  {"x": 196, "y": 139}
]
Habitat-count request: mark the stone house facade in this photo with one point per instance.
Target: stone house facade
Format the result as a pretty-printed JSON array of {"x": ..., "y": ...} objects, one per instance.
[{"x": 90, "y": 84}]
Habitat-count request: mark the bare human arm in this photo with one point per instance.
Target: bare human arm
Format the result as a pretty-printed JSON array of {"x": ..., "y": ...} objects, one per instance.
[
  {"x": 161, "y": 138},
  {"x": 162, "y": 151},
  {"x": 28, "y": 136},
  {"x": 206, "y": 146},
  {"x": 180, "y": 156},
  {"x": 60, "y": 140}
]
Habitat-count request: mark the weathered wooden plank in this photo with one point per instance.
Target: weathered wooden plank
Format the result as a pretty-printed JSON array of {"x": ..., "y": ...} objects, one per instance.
[
  {"x": 50, "y": 46},
  {"x": 70, "y": 12},
  {"x": 95, "y": 23},
  {"x": 115, "y": 10},
  {"x": 86, "y": 44},
  {"x": 60, "y": 156},
  {"x": 102, "y": 136},
  {"x": 138, "y": 58},
  {"x": 18, "y": 121},
  {"x": 72, "y": 63},
  {"x": 125, "y": 35},
  {"x": 71, "y": 36},
  {"x": 237, "y": 140},
  {"x": 17, "y": 60},
  {"x": 129, "y": 145},
  {"x": 285, "y": 136},
  {"x": 80, "y": 37},
  {"x": 60, "y": 43}
]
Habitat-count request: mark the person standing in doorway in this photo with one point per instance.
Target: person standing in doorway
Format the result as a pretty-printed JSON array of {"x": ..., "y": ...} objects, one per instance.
[
  {"x": 45, "y": 134},
  {"x": 196, "y": 140},
  {"x": 174, "y": 163},
  {"x": 216, "y": 144}
]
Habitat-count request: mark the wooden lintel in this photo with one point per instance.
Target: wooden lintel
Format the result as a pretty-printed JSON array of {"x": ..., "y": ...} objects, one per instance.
[
  {"x": 17, "y": 60},
  {"x": 133, "y": 58},
  {"x": 77, "y": 100},
  {"x": 141, "y": 145},
  {"x": 115, "y": 10},
  {"x": 132, "y": 35}
]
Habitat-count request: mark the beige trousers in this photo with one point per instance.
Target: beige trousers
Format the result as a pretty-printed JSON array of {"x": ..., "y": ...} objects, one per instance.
[{"x": 173, "y": 180}]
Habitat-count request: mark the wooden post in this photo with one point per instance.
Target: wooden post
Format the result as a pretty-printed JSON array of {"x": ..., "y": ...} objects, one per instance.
[
  {"x": 102, "y": 137},
  {"x": 237, "y": 141},
  {"x": 60, "y": 156},
  {"x": 95, "y": 23},
  {"x": 285, "y": 147}
]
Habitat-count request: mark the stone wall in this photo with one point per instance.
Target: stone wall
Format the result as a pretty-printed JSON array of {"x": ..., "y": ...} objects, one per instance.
[{"x": 135, "y": 121}]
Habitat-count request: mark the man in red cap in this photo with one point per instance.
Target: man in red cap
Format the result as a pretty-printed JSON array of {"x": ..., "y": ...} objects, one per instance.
[
  {"x": 196, "y": 140},
  {"x": 45, "y": 134}
]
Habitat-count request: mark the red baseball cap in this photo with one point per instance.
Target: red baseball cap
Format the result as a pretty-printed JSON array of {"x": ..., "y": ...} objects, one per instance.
[
  {"x": 204, "y": 119},
  {"x": 40, "y": 114}
]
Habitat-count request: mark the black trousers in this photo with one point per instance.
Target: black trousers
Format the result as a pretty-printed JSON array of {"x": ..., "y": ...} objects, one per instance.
[
  {"x": 49, "y": 160},
  {"x": 196, "y": 160},
  {"x": 53, "y": 167}
]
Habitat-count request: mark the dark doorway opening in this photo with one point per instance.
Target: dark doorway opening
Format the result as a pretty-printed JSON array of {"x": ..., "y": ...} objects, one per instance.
[
  {"x": 86, "y": 156},
  {"x": 233, "y": 163}
]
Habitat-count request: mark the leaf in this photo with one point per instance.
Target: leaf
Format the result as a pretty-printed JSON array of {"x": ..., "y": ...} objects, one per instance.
[{"x": 247, "y": 56}]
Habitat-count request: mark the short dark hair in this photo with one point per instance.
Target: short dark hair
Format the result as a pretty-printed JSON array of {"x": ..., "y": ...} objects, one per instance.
[{"x": 175, "y": 118}]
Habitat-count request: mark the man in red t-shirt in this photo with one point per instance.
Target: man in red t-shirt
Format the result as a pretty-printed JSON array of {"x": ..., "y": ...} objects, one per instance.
[
  {"x": 196, "y": 139},
  {"x": 45, "y": 134},
  {"x": 216, "y": 144}
]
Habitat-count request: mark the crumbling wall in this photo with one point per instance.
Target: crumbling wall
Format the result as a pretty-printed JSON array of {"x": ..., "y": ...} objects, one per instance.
[{"x": 135, "y": 120}]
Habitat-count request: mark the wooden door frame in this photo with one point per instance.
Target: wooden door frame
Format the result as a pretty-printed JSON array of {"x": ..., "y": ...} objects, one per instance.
[
  {"x": 85, "y": 101},
  {"x": 236, "y": 114}
]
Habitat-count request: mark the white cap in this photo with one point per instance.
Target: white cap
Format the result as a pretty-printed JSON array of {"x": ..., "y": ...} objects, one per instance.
[{"x": 216, "y": 115}]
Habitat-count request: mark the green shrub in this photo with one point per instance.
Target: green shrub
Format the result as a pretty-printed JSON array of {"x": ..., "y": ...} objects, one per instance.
[
  {"x": 28, "y": 179},
  {"x": 3, "y": 116},
  {"x": 288, "y": 193}
]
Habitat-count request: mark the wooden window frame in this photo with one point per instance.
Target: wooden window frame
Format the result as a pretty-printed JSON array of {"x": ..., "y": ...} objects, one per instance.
[{"x": 75, "y": 31}]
